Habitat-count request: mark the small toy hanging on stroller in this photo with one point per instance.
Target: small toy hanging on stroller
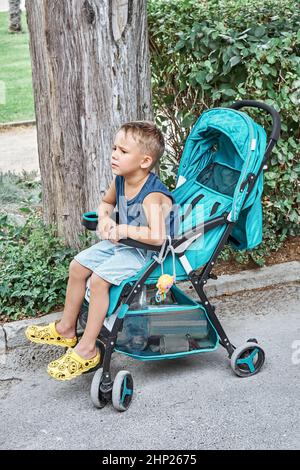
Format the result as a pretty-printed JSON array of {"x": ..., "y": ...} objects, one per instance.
[{"x": 220, "y": 172}]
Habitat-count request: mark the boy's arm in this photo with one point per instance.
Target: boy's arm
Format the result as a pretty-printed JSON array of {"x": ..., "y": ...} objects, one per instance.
[
  {"x": 156, "y": 207},
  {"x": 108, "y": 202},
  {"x": 105, "y": 210}
]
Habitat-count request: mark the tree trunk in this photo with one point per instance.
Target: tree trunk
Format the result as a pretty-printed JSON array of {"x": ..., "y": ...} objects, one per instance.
[
  {"x": 15, "y": 25},
  {"x": 91, "y": 73}
]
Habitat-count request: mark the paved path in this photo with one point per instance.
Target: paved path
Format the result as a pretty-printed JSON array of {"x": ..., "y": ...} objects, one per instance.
[
  {"x": 4, "y": 5},
  {"x": 18, "y": 149},
  {"x": 185, "y": 404}
]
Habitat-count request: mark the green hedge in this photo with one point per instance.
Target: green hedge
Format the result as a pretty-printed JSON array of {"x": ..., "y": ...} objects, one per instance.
[
  {"x": 209, "y": 53},
  {"x": 33, "y": 266}
]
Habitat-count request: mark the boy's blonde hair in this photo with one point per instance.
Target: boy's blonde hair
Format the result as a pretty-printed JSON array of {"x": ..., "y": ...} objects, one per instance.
[{"x": 148, "y": 137}]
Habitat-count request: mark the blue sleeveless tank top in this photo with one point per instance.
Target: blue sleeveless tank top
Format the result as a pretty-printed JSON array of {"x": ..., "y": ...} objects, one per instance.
[{"x": 131, "y": 211}]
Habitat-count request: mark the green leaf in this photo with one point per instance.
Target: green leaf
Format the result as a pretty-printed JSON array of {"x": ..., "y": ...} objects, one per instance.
[
  {"x": 188, "y": 120},
  {"x": 258, "y": 83},
  {"x": 201, "y": 77},
  {"x": 169, "y": 99},
  {"x": 235, "y": 60},
  {"x": 229, "y": 92},
  {"x": 259, "y": 31},
  {"x": 271, "y": 59},
  {"x": 295, "y": 98},
  {"x": 266, "y": 69},
  {"x": 26, "y": 210}
]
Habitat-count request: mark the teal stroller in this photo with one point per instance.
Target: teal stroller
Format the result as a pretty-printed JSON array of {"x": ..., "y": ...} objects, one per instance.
[{"x": 218, "y": 192}]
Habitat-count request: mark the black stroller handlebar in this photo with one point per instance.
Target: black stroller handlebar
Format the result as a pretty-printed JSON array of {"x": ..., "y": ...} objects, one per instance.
[
  {"x": 257, "y": 104},
  {"x": 90, "y": 221}
]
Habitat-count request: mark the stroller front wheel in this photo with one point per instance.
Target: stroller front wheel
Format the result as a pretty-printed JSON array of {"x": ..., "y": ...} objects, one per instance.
[
  {"x": 97, "y": 397},
  {"x": 247, "y": 359},
  {"x": 122, "y": 390}
]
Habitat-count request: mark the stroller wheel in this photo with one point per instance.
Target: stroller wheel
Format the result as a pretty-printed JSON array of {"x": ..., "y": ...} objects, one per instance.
[
  {"x": 247, "y": 359},
  {"x": 97, "y": 397},
  {"x": 252, "y": 340},
  {"x": 122, "y": 390}
]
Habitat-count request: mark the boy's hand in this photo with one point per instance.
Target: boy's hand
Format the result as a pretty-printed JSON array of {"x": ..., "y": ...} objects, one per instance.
[
  {"x": 118, "y": 232},
  {"x": 104, "y": 226}
]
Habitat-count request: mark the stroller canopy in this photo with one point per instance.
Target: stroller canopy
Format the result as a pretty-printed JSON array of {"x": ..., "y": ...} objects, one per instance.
[{"x": 229, "y": 140}]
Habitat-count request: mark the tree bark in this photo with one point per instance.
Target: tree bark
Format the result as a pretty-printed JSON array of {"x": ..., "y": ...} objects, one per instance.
[
  {"x": 91, "y": 73},
  {"x": 15, "y": 25}
]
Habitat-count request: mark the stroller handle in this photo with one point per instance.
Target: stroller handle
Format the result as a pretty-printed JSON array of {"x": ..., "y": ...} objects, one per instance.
[{"x": 257, "y": 104}]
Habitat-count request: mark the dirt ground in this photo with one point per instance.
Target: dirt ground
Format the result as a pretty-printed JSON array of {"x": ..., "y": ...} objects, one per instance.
[{"x": 290, "y": 251}]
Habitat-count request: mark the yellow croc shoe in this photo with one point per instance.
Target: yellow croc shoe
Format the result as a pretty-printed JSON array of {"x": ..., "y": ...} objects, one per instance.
[
  {"x": 47, "y": 334},
  {"x": 71, "y": 365}
]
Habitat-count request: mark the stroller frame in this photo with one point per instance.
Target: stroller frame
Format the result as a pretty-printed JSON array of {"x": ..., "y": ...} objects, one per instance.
[{"x": 197, "y": 280}]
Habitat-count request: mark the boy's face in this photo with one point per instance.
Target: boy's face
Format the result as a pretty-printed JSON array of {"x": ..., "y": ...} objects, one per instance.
[{"x": 127, "y": 155}]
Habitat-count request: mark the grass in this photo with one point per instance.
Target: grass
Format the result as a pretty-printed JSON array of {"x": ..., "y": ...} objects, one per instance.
[{"x": 16, "y": 95}]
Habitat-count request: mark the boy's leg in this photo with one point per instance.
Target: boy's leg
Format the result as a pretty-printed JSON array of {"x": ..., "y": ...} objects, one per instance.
[
  {"x": 78, "y": 275},
  {"x": 99, "y": 303},
  {"x": 121, "y": 265}
]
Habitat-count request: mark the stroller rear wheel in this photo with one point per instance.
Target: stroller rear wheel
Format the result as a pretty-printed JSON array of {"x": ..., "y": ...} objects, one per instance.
[
  {"x": 247, "y": 359},
  {"x": 122, "y": 390}
]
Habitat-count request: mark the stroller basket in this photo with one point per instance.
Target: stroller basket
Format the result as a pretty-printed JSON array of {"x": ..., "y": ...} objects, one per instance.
[{"x": 166, "y": 331}]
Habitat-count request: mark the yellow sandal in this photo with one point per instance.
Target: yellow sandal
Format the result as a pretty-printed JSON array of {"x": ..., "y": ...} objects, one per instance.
[
  {"x": 48, "y": 334},
  {"x": 71, "y": 365}
]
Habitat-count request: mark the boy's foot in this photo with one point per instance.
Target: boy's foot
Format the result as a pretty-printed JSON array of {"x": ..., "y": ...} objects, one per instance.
[
  {"x": 70, "y": 365},
  {"x": 48, "y": 334},
  {"x": 84, "y": 352}
]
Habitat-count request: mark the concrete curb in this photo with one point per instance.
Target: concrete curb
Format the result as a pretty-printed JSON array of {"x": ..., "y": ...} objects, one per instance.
[
  {"x": 7, "y": 125},
  {"x": 251, "y": 279},
  {"x": 12, "y": 334}
]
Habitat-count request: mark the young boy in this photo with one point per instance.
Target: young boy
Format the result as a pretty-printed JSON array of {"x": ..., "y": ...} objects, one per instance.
[{"x": 144, "y": 205}]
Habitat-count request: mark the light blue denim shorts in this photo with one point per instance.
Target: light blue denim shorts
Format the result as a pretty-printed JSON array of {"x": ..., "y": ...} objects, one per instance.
[{"x": 113, "y": 262}]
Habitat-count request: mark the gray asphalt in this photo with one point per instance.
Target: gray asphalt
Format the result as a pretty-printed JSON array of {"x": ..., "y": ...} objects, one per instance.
[{"x": 192, "y": 403}]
